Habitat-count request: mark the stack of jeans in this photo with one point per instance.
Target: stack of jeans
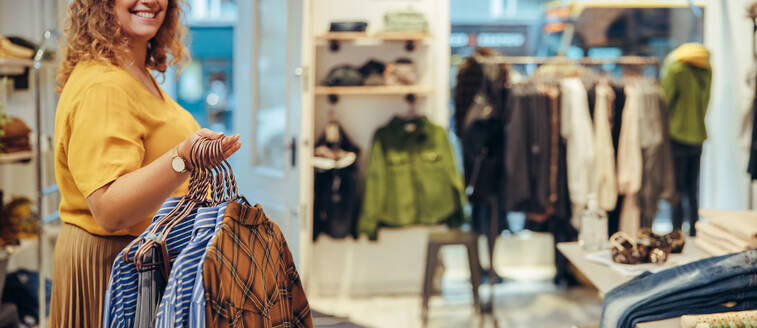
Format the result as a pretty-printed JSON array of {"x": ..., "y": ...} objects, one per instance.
[{"x": 714, "y": 285}]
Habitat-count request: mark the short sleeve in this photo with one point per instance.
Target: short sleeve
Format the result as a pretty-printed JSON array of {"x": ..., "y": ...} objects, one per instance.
[{"x": 105, "y": 138}]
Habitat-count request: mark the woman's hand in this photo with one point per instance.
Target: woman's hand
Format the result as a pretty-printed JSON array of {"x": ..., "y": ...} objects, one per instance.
[{"x": 230, "y": 144}]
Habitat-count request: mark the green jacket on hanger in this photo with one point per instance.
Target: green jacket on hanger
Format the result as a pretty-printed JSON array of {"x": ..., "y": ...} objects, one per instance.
[
  {"x": 411, "y": 178},
  {"x": 686, "y": 81}
]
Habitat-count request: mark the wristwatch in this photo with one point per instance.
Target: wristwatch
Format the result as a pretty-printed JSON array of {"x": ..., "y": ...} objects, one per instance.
[{"x": 177, "y": 163}]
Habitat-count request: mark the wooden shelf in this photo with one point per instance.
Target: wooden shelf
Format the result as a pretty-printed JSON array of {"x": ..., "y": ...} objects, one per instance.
[
  {"x": 15, "y": 62},
  {"x": 393, "y": 36},
  {"x": 16, "y": 157},
  {"x": 375, "y": 90}
]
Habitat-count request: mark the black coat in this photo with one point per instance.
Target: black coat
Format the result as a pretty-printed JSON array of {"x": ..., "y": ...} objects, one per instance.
[{"x": 336, "y": 195}]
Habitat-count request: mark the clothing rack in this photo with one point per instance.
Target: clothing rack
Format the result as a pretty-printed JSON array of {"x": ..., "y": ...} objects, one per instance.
[
  {"x": 586, "y": 61},
  {"x": 632, "y": 63}
]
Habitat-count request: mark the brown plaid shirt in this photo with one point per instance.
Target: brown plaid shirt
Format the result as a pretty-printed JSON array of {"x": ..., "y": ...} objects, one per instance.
[{"x": 249, "y": 275}]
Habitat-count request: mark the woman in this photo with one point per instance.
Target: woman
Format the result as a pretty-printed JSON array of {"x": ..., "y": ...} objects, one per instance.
[{"x": 119, "y": 142}]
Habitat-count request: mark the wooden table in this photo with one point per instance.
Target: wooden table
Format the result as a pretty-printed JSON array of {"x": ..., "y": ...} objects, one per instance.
[{"x": 605, "y": 278}]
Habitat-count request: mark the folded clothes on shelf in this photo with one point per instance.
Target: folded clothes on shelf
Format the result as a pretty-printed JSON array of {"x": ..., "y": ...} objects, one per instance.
[
  {"x": 10, "y": 49},
  {"x": 401, "y": 72},
  {"x": 742, "y": 225},
  {"x": 407, "y": 20},
  {"x": 343, "y": 75},
  {"x": 714, "y": 285},
  {"x": 716, "y": 241},
  {"x": 15, "y": 135}
]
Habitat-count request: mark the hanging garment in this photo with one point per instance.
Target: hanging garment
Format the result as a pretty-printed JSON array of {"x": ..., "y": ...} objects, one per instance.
[
  {"x": 528, "y": 146},
  {"x": 617, "y": 121},
  {"x": 411, "y": 178},
  {"x": 752, "y": 118},
  {"x": 686, "y": 81},
  {"x": 249, "y": 274},
  {"x": 479, "y": 96},
  {"x": 630, "y": 164},
  {"x": 607, "y": 192},
  {"x": 746, "y": 112},
  {"x": 658, "y": 176},
  {"x": 336, "y": 196},
  {"x": 174, "y": 308},
  {"x": 576, "y": 128},
  {"x": 121, "y": 296},
  {"x": 150, "y": 285}
]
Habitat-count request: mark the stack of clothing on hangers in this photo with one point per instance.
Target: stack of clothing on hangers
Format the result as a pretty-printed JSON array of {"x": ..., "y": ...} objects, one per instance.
[
  {"x": 645, "y": 166},
  {"x": 726, "y": 232},
  {"x": 207, "y": 262},
  {"x": 553, "y": 141},
  {"x": 568, "y": 119},
  {"x": 411, "y": 178}
]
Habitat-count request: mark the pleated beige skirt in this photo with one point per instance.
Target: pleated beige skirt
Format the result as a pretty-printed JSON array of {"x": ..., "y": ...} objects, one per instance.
[{"x": 80, "y": 277}]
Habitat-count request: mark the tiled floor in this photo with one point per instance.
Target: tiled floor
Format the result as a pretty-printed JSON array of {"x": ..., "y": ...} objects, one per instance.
[
  {"x": 517, "y": 305},
  {"x": 527, "y": 300}
]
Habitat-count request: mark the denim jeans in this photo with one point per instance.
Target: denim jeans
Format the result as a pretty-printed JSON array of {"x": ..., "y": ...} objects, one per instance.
[{"x": 697, "y": 287}]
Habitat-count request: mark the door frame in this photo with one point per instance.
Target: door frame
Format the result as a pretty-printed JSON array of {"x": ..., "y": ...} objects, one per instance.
[{"x": 253, "y": 178}]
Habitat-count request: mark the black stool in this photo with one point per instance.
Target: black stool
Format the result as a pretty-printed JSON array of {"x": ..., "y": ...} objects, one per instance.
[{"x": 435, "y": 243}]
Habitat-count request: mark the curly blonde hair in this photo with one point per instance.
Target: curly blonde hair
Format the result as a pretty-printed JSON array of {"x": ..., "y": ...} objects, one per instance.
[{"x": 93, "y": 34}]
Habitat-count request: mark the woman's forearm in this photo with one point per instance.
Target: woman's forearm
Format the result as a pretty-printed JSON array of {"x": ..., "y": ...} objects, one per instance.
[{"x": 132, "y": 197}]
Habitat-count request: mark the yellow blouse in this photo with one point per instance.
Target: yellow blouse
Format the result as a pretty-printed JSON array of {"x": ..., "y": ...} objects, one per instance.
[{"x": 108, "y": 124}]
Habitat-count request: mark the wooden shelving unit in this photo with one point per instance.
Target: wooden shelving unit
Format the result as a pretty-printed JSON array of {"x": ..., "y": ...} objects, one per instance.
[
  {"x": 374, "y": 90},
  {"x": 16, "y": 157},
  {"x": 15, "y": 62},
  {"x": 34, "y": 66},
  {"x": 387, "y": 36}
]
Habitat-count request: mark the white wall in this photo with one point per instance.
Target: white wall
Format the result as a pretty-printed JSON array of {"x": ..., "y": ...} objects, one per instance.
[
  {"x": 395, "y": 263},
  {"x": 728, "y": 35}
]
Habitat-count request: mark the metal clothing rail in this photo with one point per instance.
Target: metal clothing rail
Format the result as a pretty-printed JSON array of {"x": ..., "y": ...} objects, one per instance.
[{"x": 527, "y": 60}]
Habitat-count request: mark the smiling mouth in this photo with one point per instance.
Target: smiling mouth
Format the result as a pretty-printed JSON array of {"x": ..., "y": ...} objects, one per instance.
[{"x": 145, "y": 14}]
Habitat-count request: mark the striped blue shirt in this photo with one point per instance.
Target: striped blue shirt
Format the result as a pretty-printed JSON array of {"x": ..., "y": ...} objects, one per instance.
[
  {"x": 173, "y": 310},
  {"x": 121, "y": 296},
  {"x": 197, "y": 305}
]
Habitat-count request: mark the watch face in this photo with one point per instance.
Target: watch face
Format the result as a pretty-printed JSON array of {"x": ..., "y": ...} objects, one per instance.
[{"x": 178, "y": 164}]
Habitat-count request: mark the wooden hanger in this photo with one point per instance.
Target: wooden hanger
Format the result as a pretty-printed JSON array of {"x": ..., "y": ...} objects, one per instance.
[{"x": 210, "y": 170}]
